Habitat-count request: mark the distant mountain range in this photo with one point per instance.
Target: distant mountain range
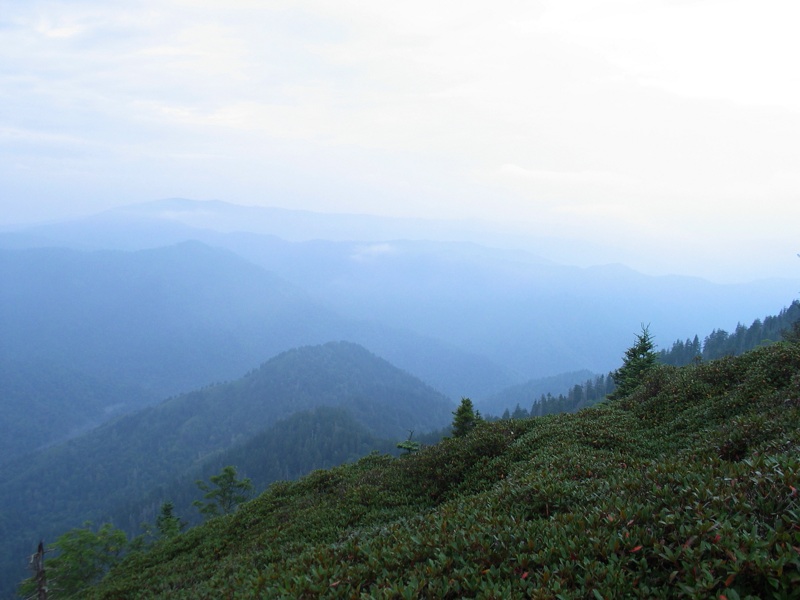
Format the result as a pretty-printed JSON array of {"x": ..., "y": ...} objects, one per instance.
[
  {"x": 162, "y": 222},
  {"x": 103, "y": 306},
  {"x": 373, "y": 326},
  {"x": 124, "y": 329},
  {"x": 527, "y": 316}
]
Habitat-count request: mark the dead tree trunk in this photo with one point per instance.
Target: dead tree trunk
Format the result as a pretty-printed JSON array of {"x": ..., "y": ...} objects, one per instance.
[{"x": 37, "y": 565}]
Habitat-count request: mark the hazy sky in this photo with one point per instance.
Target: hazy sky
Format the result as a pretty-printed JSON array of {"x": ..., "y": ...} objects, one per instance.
[{"x": 666, "y": 134}]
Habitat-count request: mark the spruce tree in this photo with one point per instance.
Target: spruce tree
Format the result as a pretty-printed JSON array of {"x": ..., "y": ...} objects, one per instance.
[
  {"x": 167, "y": 523},
  {"x": 638, "y": 359},
  {"x": 519, "y": 413},
  {"x": 465, "y": 418}
]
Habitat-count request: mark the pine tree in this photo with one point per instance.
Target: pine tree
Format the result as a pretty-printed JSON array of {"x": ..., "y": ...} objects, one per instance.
[
  {"x": 465, "y": 418},
  {"x": 792, "y": 334},
  {"x": 519, "y": 413},
  {"x": 638, "y": 359},
  {"x": 410, "y": 446},
  {"x": 227, "y": 494},
  {"x": 167, "y": 523}
]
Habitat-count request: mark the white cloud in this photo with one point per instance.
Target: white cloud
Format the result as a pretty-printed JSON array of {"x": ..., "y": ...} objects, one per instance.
[
  {"x": 567, "y": 177},
  {"x": 561, "y": 114},
  {"x": 372, "y": 252},
  {"x": 732, "y": 50}
]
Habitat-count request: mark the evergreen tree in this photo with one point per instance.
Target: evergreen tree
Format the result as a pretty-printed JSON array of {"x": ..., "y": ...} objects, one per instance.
[
  {"x": 792, "y": 334},
  {"x": 697, "y": 349},
  {"x": 167, "y": 524},
  {"x": 519, "y": 413},
  {"x": 638, "y": 359},
  {"x": 465, "y": 418},
  {"x": 227, "y": 493},
  {"x": 410, "y": 446}
]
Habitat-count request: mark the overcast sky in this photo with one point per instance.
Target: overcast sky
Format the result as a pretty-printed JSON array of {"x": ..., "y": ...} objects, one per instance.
[{"x": 662, "y": 133}]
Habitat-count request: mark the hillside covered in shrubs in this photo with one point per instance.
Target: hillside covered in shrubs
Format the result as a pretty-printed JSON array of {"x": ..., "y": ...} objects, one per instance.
[{"x": 686, "y": 487}]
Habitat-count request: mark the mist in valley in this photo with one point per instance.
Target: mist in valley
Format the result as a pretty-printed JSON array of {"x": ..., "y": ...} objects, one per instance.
[{"x": 284, "y": 238}]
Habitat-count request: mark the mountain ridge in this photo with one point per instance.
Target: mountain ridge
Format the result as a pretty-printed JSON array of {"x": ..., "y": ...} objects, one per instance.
[
  {"x": 500, "y": 294},
  {"x": 127, "y": 458}
]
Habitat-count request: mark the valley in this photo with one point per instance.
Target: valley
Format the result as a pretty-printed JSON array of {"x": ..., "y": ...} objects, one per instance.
[{"x": 134, "y": 365}]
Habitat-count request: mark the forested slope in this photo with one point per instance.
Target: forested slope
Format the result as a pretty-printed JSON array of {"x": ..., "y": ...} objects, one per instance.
[
  {"x": 139, "y": 456},
  {"x": 44, "y": 403},
  {"x": 686, "y": 487},
  {"x": 319, "y": 438}
]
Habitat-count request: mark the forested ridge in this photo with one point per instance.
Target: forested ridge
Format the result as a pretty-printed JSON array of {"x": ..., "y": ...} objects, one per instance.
[
  {"x": 721, "y": 343},
  {"x": 122, "y": 471},
  {"x": 717, "y": 344},
  {"x": 688, "y": 486},
  {"x": 314, "y": 439}
]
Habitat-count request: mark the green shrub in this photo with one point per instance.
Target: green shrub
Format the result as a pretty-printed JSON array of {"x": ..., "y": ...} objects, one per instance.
[{"x": 687, "y": 487}]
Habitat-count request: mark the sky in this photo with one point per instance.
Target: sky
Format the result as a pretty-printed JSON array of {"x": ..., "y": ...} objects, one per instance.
[{"x": 662, "y": 134}]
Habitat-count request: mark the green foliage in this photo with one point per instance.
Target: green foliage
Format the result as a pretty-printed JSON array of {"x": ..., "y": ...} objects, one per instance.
[
  {"x": 224, "y": 494},
  {"x": 465, "y": 418},
  {"x": 168, "y": 524},
  {"x": 638, "y": 360},
  {"x": 687, "y": 487},
  {"x": 792, "y": 333},
  {"x": 83, "y": 557},
  {"x": 309, "y": 440},
  {"x": 409, "y": 446},
  {"x": 785, "y": 326}
]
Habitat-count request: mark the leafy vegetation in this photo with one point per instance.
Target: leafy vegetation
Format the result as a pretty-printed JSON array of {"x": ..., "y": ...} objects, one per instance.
[
  {"x": 686, "y": 487},
  {"x": 224, "y": 494},
  {"x": 409, "y": 446},
  {"x": 83, "y": 557}
]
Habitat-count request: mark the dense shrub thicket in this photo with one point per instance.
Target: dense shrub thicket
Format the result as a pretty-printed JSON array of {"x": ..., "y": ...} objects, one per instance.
[{"x": 687, "y": 487}]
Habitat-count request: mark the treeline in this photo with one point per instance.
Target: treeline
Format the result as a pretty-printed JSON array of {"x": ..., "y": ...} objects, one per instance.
[
  {"x": 579, "y": 396},
  {"x": 717, "y": 344},
  {"x": 720, "y": 343}
]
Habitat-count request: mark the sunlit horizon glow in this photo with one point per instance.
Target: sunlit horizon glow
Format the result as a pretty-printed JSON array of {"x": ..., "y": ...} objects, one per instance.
[{"x": 662, "y": 135}]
